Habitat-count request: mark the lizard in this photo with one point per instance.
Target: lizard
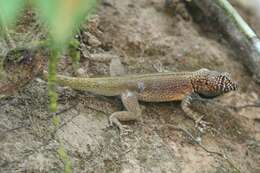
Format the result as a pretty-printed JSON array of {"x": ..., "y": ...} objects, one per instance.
[
  {"x": 21, "y": 66},
  {"x": 157, "y": 87}
]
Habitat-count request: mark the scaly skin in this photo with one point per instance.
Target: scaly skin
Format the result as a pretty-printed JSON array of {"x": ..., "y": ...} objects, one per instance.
[
  {"x": 158, "y": 87},
  {"x": 22, "y": 65}
]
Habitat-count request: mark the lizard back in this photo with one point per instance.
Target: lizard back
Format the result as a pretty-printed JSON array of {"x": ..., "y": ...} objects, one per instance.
[{"x": 156, "y": 87}]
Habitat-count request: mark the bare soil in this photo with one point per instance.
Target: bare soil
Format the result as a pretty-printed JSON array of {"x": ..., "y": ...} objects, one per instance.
[{"x": 147, "y": 37}]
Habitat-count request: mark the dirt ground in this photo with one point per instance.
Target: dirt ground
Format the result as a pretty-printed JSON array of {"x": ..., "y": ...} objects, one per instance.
[{"x": 147, "y": 37}]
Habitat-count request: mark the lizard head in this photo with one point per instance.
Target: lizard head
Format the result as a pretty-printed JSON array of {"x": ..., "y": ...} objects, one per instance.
[{"x": 208, "y": 83}]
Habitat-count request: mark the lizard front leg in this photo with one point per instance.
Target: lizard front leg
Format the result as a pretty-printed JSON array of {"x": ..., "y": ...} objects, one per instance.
[
  {"x": 132, "y": 113},
  {"x": 186, "y": 102}
]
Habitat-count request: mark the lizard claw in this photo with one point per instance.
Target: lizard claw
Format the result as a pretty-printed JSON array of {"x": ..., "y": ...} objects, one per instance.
[
  {"x": 124, "y": 130},
  {"x": 200, "y": 122}
]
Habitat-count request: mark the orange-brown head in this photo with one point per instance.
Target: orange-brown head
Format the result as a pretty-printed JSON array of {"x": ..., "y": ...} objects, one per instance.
[{"x": 208, "y": 83}]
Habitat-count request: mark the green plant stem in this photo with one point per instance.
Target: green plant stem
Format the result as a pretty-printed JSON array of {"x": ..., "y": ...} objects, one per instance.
[{"x": 53, "y": 61}]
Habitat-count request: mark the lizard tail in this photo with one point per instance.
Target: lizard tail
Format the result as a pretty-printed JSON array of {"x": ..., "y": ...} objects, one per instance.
[
  {"x": 94, "y": 85},
  {"x": 83, "y": 84}
]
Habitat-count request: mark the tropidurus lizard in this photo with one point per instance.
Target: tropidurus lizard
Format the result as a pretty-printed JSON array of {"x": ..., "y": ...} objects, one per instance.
[
  {"x": 157, "y": 87},
  {"x": 22, "y": 65}
]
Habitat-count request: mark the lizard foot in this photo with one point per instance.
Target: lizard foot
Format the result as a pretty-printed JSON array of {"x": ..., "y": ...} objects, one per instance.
[
  {"x": 123, "y": 129},
  {"x": 113, "y": 120},
  {"x": 200, "y": 123}
]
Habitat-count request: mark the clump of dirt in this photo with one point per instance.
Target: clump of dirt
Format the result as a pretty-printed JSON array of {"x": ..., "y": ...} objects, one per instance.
[{"x": 146, "y": 37}]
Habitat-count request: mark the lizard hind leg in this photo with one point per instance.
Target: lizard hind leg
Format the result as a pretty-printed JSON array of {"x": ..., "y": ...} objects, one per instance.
[{"x": 132, "y": 113}]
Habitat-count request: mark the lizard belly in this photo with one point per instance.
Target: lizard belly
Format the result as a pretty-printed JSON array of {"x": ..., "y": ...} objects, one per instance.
[{"x": 161, "y": 97}]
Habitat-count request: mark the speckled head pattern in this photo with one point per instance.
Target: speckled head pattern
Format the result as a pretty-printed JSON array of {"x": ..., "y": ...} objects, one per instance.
[{"x": 209, "y": 83}]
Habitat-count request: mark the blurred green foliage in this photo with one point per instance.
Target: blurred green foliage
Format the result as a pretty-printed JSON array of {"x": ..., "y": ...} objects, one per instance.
[
  {"x": 65, "y": 159},
  {"x": 9, "y": 10},
  {"x": 62, "y": 18}
]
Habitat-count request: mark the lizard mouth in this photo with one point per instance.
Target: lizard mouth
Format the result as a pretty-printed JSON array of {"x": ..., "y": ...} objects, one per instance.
[{"x": 233, "y": 86}]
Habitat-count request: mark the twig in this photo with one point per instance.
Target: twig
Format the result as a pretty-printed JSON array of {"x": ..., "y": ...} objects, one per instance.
[
  {"x": 186, "y": 132},
  {"x": 13, "y": 129},
  {"x": 240, "y": 35},
  {"x": 248, "y": 106},
  {"x": 67, "y": 109}
]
